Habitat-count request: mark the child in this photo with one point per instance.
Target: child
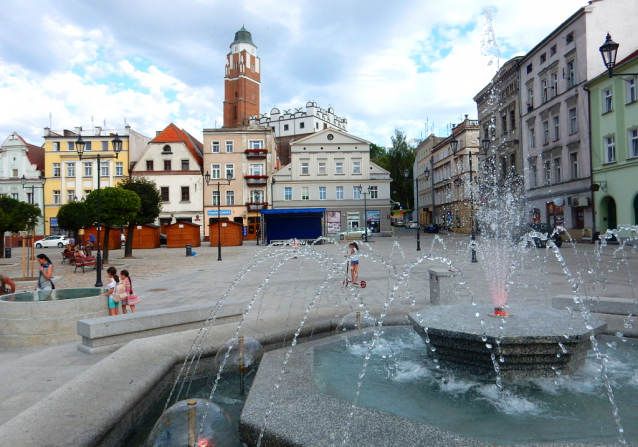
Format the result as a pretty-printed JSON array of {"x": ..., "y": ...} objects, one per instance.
[
  {"x": 114, "y": 306},
  {"x": 354, "y": 261},
  {"x": 131, "y": 297}
]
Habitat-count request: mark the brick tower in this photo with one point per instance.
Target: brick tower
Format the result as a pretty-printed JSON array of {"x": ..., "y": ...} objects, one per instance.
[{"x": 242, "y": 81}]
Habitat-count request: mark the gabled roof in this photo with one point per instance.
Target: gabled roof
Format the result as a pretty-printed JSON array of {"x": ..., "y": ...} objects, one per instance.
[
  {"x": 172, "y": 134},
  {"x": 35, "y": 154},
  {"x": 318, "y": 137},
  {"x": 628, "y": 58}
]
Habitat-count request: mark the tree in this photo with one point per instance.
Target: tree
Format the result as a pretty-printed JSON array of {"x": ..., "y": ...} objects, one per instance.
[
  {"x": 396, "y": 159},
  {"x": 16, "y": 216},
  {"x": 376, "y": 152},
  {"x": 73, "y": 216},
  {"x": 151, "y": 198},
  {"x": 118, "y": 206}
]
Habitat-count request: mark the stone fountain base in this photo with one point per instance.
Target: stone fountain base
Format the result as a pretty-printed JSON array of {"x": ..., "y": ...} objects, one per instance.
[{"x": 531, "y": 342}]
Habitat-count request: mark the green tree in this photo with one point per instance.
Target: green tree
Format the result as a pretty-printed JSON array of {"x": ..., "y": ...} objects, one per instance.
[
  {"x": 151, "y": 198},
  {"x": 16, "y": 216},
  {"x": 376, "y": 152},
  {"x": 73, "y": 216},
  {"x": 395, "y": 160},
  {"x": 118, "y": 206}
]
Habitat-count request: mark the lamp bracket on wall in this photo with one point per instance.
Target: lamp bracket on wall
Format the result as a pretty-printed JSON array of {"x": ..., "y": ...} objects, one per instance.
[{"x": 597, "y": 186}]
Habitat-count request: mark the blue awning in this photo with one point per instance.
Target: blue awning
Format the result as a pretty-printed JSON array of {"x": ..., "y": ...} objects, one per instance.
[{"x": 294, "y": 211}]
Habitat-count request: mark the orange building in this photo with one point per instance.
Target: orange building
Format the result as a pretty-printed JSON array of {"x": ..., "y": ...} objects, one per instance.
[{"x": 242, "y": 81}]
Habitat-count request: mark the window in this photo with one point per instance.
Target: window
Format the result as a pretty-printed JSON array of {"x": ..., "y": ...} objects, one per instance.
[
  {"x": 216, "y": 198},
  {"x": 557, "y": 170},
  {"x": 532, "y": 174},
  {"x": 356, "y": 167},
  {"x": 70, "y": 195},
  {"x": 164, "y": 191},
  {"x": 56, "y": 147},
  {"x": 374, "y": 193},
  {"x": 30, "y": 198},
  {"x": 256, "y": 196},
  {"x": 317, "y": 125},
  {"x": 339, "y": 193},
  {"x": 305, "y": 168},
  {"x": 229, "y": 146},
  {"x": 15, "y": 195},
  {"x": 554, "y": 77},
  {"x": 543, "y": 58},
  {"x": 573, "y": 162},
  {"x": 569, "y": 38},
  {"x": 88, "y": 169},
  {"x": 305, "y": 193},
  {"x": 552, "y": 50},
  {"x": 70, "y": 146},
  {"x": 610, "y": 149},
  {"x": 356, "y": 192},
  {"x": 571, "y": 75},
  {"x": 512, "y": 119},
  {"x": 214, "y": 147},
  {"x": 530, "y": 99},
  {"x": 322, "y": 168},
  {"x": 119, "y": 168},
  {"x": 545, "y": 132},
  {"x": 256, "y": 169},
  {"x": 14, "y": 173},
  {"x": 339, "y": 167},
  {"x": 503, "y": 124},
  {"x": 215, "y": 171},
  {"x": 547, "y": 174},
  {"x": 607, "y": 100},
  {"x": 287, "y": 193},
  {"x": 56, "y": 170},
  {"x": 544, "y": 96},
  {"x": 149, "y": 165},
  {"x": 633, "y": 143},
  {"x": 285, "y": 127},
  {"x": 87, "y": 146},
  {"x": 105, "y": 145},
  {"x": 70, "y": 169},
  {"x": 322, "y": 193},
  {"x": 513, "y": 163},
  {"x": 302, "y": 125},
  {"x": 556, "y": 123},
  {"x": 573, "y": 121},
  {"x": 255, "y": 144},
  {"x": 529, "y": 68},
  {"x": 166, "y": 148},
  {"x": 186, "y": 195},
  {"x": 104, "y": 171},
  {"x": 185, "y": 165},
  {"x": 532, "y": 138},
  {"x": 230, "y": 197},
  {"x": 56, "y": 197},
  {"x": 230, "y": 170},
  {"x": 631, "y": 90},
  {"x": 167, "y": 165}
]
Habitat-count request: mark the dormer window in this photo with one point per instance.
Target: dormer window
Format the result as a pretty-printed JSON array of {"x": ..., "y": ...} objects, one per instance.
[{"x": 166, "y": 148}]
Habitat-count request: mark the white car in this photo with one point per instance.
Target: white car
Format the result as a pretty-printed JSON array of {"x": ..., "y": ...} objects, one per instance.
[
  {"x": 52, "y": 241},
  {"x": 354, "y": 231},
  {"x": 412, "y": 224}
]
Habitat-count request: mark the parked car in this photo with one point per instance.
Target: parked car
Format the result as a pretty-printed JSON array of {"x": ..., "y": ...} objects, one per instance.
[
  {"x": 52, "y": 241},
  {"x": 400, "y": 223},
  {"x": 431, "y": 228},
  {"x": 544, "y": 228},
  {"x": 354, "y": 232},
  {"x": 412, "y": 224}
]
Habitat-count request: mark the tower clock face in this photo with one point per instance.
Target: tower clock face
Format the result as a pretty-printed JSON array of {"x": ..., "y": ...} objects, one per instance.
[{"x": 330, "y": 136}]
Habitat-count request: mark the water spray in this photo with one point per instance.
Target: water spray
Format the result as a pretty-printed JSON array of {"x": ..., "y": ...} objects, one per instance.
[
  {"x": 241, "y": 365},
  {"x": 359, "y": 320}
]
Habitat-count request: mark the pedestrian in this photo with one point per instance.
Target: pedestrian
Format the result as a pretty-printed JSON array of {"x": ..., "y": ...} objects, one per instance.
[
  {"x": 46, "y": 273},
  {"x": 71, "y": 241},
  {"x": 114, "y": 306},
  {"x": 131, "y": 297},
  {"x": 354, "y": 261},
  {"x": 5, "y": 282}
]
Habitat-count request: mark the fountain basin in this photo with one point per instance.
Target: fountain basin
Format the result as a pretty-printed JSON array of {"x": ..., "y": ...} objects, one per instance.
[
  {"x": 531, "y": 342},
  {"x": 48, "y": 317}
]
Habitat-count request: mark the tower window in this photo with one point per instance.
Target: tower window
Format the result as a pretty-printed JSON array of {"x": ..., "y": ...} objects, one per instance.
[
  {"x": 235, "y": 111},
  {"x": 285, "y": 126},
  {"x": 302, "y": 125}
]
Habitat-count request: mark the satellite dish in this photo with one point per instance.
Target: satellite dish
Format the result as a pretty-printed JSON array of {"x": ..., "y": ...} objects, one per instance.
[{"x": 559, "y": 201}]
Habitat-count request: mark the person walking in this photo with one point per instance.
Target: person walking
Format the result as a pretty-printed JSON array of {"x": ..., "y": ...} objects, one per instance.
[
  {"x": 354, "y": 261},
  {"x": 114, "y": 306},
  {"x": 46, "y": 273},
  {"x": 131, "y": 297}
]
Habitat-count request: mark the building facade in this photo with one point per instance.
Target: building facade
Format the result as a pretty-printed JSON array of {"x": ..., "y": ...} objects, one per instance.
[
  {"x": 242, "y": 81},
  {"x": 614, "y": 144},
  {"x": 20, "y": 159},
  {"x": 173, "y": 160},
  {"x": 246, "y": 154},
  {"x": 422, "y": 171},
  {"x": 68, "y": 178},
  {"x": 555, "y": 116},
  {"x": 331, "y": 169}
]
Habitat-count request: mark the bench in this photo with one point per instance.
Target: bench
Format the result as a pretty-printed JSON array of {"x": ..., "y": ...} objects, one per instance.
[
  {"x": 70, "y": 257},
  {"x": 87, "y": 261}
]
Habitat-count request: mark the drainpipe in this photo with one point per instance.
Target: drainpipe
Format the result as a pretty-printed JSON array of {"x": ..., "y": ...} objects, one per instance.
[{"x": 591, "y": 166}]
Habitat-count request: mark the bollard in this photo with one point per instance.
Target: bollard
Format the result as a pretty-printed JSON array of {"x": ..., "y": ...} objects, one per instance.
[
  {"x": 442, "y": 287},
  {"x": 7, "y": 252},
  {"x": 189, "y": 250}
]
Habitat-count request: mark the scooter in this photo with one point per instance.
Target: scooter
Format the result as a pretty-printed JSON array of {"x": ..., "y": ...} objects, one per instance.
[{"x": 347, "y": 281}]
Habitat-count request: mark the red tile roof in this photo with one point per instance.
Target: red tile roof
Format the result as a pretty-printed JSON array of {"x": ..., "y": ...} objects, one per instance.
[
  {"x": 172, "y": 134},
  {"x": 631, "y": 56},
  {"x": 35, "y": 154}
]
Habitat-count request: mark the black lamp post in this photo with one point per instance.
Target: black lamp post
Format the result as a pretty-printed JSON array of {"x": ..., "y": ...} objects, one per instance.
[
  {"x": 365, "y": 211},
  {"x": 406, "y": 174},
  {"x": 454, "y": 144},
  {"x": 609, "y": 51},
  {"x": 229, "y": 177},
  {"x": 117, "y": 148},
  {"x": 427, "y": 173},
  {"x": 41, "y": 181}
]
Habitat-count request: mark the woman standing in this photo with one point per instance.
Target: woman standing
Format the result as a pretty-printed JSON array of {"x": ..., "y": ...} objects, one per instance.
[
  {"x": 131, "y": 297},
  {"x": 46, "y": 273},
  {"x": 114, "y": 306}
]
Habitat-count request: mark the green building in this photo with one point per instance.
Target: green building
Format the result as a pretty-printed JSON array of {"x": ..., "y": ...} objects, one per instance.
[{"x": 614, "y": 146}]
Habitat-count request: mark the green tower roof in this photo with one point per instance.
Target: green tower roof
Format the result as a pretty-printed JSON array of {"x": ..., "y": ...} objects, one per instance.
[{"x": 243, "y": 36}]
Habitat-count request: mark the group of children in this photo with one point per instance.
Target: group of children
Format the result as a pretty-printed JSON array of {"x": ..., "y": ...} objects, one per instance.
[{"x": 129, "y": 298}]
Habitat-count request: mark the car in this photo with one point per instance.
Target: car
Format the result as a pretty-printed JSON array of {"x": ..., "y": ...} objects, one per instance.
[
  {"x": 52, "y": 241},
  {"x": 546, "y": 229},
  {"x": 412, "y": 224},
  {"x": 354, "y": 232},
  {"x": 431, "y": 228},
  {"x": 400, "y": 223}
]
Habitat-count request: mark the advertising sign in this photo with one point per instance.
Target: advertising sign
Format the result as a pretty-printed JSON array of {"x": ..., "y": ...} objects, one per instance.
[
  {"x": 214, "y": 212},
  {"x": 334, "y": 221},
  {"x": 53, "y": 221}
]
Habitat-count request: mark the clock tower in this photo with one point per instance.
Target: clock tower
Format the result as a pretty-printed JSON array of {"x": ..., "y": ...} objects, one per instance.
[{"x": 241, "y": 81}]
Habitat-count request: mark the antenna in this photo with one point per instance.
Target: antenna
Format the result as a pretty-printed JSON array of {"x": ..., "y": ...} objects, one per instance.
[
  {"x": 92, "y": 123},
  {"x": 50, "y": 120},
  {"x": 125, "y": 122}
]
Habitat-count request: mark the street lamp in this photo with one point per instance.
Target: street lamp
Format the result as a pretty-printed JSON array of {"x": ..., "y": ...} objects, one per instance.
[
  {"x": 427, "y": 173},
  {"x": 41, "y": 181},
  {"x": 229, "y": 177},
  {"x": 406, "y": 174},
  {"x": 365, "y": 211},
  {"x": 609, "y": 51},
  {"x": 80, "y": 145},
  {"x": 454, "y": 145}
]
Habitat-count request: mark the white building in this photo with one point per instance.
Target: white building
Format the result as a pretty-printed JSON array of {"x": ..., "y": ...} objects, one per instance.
[
  {"x": 19, "y": 158},
  {"x": 173, "y": 160},
  {"x": 326, "y": 171},
  {"x": 555, "y": 112}
]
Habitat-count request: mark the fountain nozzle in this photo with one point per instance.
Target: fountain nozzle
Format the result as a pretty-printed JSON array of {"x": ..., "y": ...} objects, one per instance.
[{"x": 499, "y": 312}]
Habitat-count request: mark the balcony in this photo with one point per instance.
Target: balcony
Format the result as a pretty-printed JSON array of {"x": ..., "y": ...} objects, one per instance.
[
  {"x": 256, "y": 180},
  {"x": 256, "y": 154},
  {"x": 256, "y": 206}
]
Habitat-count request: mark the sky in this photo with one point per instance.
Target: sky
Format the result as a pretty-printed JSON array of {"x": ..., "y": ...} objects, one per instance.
[{"x": 414, "y": 65}]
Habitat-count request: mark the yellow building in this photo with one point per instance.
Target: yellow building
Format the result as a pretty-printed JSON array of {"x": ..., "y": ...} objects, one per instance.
[{"x": 68, "y": 178}]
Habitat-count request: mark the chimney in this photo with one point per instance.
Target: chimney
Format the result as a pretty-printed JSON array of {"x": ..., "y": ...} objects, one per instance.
[
  {"x": 98, "y": 131},
  {"x": 78, "y": 130},
  {"x": 157, "y": 132}
]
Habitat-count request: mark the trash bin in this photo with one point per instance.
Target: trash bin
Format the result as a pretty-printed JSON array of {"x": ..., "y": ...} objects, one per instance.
[
  {"x": 7, "y": 252},
  {"x": 189, "y": 250}
]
